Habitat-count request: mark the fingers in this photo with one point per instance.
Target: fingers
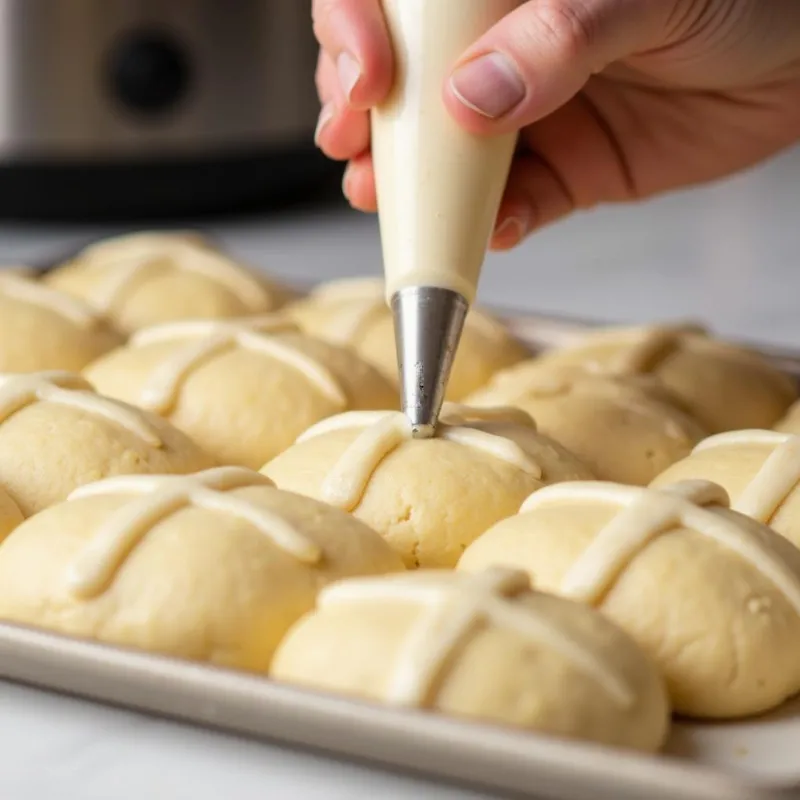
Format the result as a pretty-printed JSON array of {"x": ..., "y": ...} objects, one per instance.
[
  {"x": 342, "y": 132},
  {"x": 359, "y": 184},
  {"x": 355, "y": 72},
  {"x": 539, "y": 56},
  {"x": 353, "y": 34},
  {"x": 536, "y": 196}
]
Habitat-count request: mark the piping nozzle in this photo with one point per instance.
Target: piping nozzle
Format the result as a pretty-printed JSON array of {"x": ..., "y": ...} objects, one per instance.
[{"x": 428, "y": 322}]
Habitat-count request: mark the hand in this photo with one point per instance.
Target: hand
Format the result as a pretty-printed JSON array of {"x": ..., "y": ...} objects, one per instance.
[{"x": 616, "y": 100}]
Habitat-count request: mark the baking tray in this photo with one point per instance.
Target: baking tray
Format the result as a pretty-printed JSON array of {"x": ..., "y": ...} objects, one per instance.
[{"x": 757, "y": 759}]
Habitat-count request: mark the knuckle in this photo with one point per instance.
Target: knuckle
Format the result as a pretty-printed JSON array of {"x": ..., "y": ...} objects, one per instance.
[
  {"x": 567, "y": 25},
  {"x": 319, "y": 75},
  {"x": 323, "y": 16}
]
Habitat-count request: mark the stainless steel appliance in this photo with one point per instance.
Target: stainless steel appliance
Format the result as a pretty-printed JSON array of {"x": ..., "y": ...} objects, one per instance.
[{"x": 155, "y": 107}]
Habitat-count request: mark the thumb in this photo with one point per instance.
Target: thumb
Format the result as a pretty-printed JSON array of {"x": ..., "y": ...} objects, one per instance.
[{"x": 539, "y": 56}]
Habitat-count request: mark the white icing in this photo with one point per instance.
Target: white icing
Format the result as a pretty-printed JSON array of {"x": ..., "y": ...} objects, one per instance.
[
  {"x": 745, "y": 437},
  {"x": 37, "y": 294},
  {"x": 124, "y": 271},
  {"x": 352, "y": 317},
  {"x": 196, "y": 329},
  {"x": 154, "y": 499},
  {"x": 777, "y": 478},
  {"x": 630, "y": 398},
  {"x": 345, "y": 485},
  {"x": 382, "y": 432},
  {"x": 454, "y": 606},
  {"x": 647, "y": 514},
  {"x": 459, "y": 414},
  {"x": 342, "y": 422},
  {"x": 21, "y": 390},
  {"x": 204, "y": 341}
]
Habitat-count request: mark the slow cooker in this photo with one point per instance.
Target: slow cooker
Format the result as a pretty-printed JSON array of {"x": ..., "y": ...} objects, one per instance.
[{"x": 150, "y": 108}]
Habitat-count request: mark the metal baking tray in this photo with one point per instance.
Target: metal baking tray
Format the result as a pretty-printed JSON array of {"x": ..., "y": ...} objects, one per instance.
[{"x": 747, "y": 760}]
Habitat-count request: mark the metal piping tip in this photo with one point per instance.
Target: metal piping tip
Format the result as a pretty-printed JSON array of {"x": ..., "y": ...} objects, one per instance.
[{"x": 427, "y": 326}]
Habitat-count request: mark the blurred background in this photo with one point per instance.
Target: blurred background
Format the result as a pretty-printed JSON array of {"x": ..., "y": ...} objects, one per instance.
[
  {"x": 118, "y": 115},
  {"x": 146, "y": 108}
]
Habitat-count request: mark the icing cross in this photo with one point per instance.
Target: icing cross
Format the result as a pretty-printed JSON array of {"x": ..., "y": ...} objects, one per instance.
[
  {"x": 632, "y": 397},
  {"x": 205, "y": 340},
  {"x": 352, "y": 316},
  {"x": 384, "y": 431},
  {"x": 653, "y": 346},
  {"x": 183, "y": 255},
  {"x": 155, "y": 499},
  {"x": 777, "y": 478},
  {"x": 455, "y": 606},
  {"x": 19, "y": 391},
  {"x": 17, "y": 287},
  {"x": 647, "y": 514}
]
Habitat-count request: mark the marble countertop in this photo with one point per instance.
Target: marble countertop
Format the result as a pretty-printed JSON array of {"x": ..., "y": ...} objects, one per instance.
[{"x": 728, "y": 254}]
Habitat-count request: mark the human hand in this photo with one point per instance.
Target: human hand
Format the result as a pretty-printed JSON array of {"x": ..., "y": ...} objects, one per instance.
[{"x": 616, "y": 100}]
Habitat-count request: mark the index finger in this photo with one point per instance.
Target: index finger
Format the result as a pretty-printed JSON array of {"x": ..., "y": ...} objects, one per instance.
[{"x": 354, "y": 34}]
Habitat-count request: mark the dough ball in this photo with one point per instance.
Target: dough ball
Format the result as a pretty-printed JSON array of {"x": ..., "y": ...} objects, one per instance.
[
  {"x": 354, "y": 312},
  {"x": 760, "y": 470},
  {"x": 147, "y": 279},
  {"x": 711, "y": 595},
  {"x": 725, "y": 387},
  {"x": 213, "y": 567},
  {"x": 56, "y": 434},
  {"x": 428, "y": 498},
  {"x": 42, "y": 328},
  {"x": 241, "y": 392},
  {"x": 624, "y": 432},
  {"x": 480, "y": 646}
]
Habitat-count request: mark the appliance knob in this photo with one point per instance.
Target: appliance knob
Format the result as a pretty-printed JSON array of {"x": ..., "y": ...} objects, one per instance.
[{"x": 149, "y": 72}]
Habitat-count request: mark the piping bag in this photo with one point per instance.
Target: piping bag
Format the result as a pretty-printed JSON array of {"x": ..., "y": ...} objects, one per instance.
[{"x": 439, "y": 189}]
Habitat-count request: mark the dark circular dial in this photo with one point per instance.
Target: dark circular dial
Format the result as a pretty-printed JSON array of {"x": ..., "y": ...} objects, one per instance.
[{"x": 149, "y": 72}]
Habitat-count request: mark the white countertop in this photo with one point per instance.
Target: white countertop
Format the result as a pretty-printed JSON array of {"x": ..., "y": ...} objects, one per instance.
[{"x": 728, "y": 254}]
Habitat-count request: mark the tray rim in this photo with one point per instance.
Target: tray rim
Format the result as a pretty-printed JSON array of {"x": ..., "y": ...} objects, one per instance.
[{"x": 183, "y": 691}]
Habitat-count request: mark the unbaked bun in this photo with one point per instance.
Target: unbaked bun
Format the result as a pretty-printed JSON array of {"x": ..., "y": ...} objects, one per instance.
[
  {"x": 760, "y": 470},
  {"x": 428, "y": 498},
  {"x": 711, "y": 595},
  {"x": 243, "y": 389},
  {"x": 151, "y": 278},
  {"x": 623, "y": 432},
  {"x": 42, "y": 328},
  {"x": 480, "y": 646},
  {"x": 214, "y": 566},
  {"x": 57, "y": 434},
  {"x": 725, "y": 387},
  {"x": 354, "y": 312}
]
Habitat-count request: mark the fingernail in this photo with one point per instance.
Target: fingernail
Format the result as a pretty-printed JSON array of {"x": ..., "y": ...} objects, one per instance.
[
  {"x": 325, "y": 116},
  {"x": 349, "y": 73},
  {"x": 345, "y": 182},
  {"x": 490, "y": 85},
  {"x": 513, "y": 229}
]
